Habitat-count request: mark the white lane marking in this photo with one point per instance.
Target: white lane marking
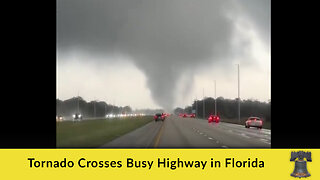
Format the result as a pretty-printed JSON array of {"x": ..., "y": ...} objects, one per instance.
[
  {"x": 265, "y": 141},
  {"x": 244, "y": 135},
  {"x": 200, "y": 133},
  {"x": 224, "y": 146},
  {"x": 236, "y": 126},
  {"x": 242, "y": 132},
  {"x": 250, "y": 133},
  {"x": 210, "y": 138}
]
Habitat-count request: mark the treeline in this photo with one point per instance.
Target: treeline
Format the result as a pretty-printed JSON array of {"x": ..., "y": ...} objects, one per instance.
[
  {"x": 149, "y": 111},
  {"x": 228, "y": 108},
  {"x": 88, "y": 109}
]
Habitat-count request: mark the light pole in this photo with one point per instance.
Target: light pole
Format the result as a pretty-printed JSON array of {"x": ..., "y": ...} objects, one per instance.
[
  {"x": 196, "y": 108},
  {"x": 105, "y": 109},
  {"x": 77, "y": 113},
  {"x": 113, "y": 106},
  {"x": 78, "y": 104},
  {"x": 94, "y": 108},
  {"x": 215, "y": 98},
  {"x": 204, "y": 117},
  {"x": 239, "y": 93}
]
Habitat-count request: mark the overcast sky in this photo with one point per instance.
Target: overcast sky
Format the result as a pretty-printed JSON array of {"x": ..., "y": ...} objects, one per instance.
[{"x": 162, "y": 53}]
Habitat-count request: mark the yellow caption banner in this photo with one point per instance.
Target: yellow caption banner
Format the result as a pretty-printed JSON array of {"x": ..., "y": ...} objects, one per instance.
[{"x": 152, "y": 164}]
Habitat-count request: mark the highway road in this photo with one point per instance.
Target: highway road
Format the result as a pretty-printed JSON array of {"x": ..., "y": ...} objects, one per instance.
[{"x": 178, "y": 132}]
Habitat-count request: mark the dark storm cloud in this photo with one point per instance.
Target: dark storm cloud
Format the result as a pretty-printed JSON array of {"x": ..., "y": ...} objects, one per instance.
[
  {"x": 259, "y": 11},
  {"x": 164, "y": 38}
]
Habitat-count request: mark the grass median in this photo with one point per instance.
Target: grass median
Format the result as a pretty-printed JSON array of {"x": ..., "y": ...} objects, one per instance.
[{"x": 94, "y": 133}]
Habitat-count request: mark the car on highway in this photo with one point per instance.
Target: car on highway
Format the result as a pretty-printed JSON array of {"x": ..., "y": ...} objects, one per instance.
[
  {"x": 213, "y": 118},
  {"x": 184, "y": 115},
  {"x": 192, "y": 115},
  {"x": 166, "y": 114},
  {"x": 159, "y": 117},
  {"x": 254, "y": 122},
  {"x": 59, "y": 118},
  {"x": 77, "y": 117}
]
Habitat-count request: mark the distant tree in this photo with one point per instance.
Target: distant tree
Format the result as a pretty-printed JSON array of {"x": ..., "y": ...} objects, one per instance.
[
  {"x": 178, "y": 110},
  {"x": 127, "y": 109},
  {"x": 70, "y": 106},
  {"x": 188, "y": 109},
  {"x": 228, "y": 108}
]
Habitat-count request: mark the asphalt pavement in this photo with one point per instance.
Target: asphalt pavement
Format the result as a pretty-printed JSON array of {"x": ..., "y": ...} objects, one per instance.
[{"x": 178, "y": 132}]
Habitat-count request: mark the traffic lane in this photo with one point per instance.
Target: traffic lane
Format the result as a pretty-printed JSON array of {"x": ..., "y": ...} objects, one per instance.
[
  {"x": 221, "y": 136},
  {"x": 230, "y": 137},
  {"x": 239, "y": 130},
  {"x": 251, "y": 132},
  {"x": 254, "y": 134},
  {"x": 242, "y": 127},
  {"x": 142, "y": 137},
  {"x": 176, "y": 134}
]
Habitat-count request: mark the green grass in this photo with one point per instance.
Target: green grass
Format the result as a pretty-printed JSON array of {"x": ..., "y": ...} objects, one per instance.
[{"x": 94, "y": 133}]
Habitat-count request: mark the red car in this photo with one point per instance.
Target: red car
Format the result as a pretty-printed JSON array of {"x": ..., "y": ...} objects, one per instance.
[
  {"x": 159, "y": 117},
  {"x": 192, "y": 115},
  {"x": 213, "y": 118},
  {"x": 184, "y": 115},
  {"x": 166, "y": 114}
]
